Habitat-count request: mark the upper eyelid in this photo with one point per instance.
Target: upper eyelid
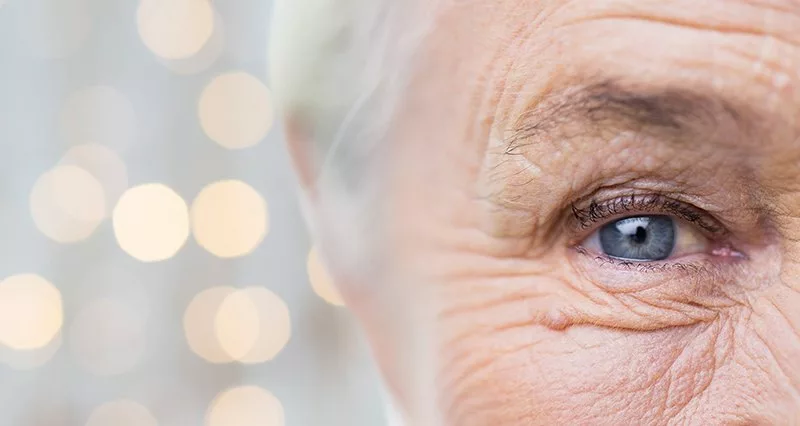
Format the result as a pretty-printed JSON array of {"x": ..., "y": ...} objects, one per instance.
[{"x": 595, "y": 212}]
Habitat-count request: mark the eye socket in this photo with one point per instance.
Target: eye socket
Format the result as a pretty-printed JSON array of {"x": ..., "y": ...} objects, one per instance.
[{"x": 646, "y": 238}]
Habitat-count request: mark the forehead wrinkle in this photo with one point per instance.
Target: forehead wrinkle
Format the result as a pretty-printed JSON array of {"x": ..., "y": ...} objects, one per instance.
[
  {"x": 744, "y": 17},
  {"x": 609, "y": 106}
]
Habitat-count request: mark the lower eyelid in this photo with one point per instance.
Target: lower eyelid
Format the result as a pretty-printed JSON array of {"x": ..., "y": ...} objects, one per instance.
[
  {"x": 692, "y": 265},
  {"x": 615, "y": 273},
  {"x": 605, "y": 261}
]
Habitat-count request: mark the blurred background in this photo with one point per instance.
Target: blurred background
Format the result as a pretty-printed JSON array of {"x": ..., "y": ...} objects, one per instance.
[{"x": 155, "y": 268}]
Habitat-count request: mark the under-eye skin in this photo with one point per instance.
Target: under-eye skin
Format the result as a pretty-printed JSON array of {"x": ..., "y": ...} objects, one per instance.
[{"x": 649, "y": 229}]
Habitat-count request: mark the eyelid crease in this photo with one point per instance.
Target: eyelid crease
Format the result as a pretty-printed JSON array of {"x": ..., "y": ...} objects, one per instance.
[{"x": 600, "y": 211}]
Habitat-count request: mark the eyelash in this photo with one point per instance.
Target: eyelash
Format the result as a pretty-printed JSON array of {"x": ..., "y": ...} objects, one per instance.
[
  {"x": 645, "y": 203},
  {"x": 661, "y": 266}
]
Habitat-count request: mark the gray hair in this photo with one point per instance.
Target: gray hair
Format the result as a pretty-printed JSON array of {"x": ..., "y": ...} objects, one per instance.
[
  {"x": 336, "y": 68},
  {"x": 330, "y": 74}
]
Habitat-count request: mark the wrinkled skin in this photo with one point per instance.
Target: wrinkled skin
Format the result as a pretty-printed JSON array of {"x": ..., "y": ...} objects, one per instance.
[{"x": 520, "y": 110}]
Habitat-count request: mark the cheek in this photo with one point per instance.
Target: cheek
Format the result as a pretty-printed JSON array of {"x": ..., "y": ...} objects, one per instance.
[
  {"x": 503, "y": 360},
  {"x": 510, "y": 371}
]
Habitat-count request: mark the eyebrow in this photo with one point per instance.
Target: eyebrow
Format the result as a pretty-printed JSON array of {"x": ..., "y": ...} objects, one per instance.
[{"x": 610, "y": 105}]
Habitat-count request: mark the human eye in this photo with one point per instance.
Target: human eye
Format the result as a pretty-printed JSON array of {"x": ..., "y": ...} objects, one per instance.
[
  {"x": 650, "y": 229},
  {"x": 646, "y": 238}
]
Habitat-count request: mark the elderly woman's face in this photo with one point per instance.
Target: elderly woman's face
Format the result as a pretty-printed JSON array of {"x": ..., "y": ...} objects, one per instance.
[{"x": 599, "y": 203}]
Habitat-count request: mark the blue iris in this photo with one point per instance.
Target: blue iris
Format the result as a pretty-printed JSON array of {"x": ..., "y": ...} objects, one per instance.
[{"x": 645, "y": 238}]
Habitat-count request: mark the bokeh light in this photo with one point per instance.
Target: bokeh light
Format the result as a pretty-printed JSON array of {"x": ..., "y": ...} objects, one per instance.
[
  {"x": 30, "y": 359},
  {"x": 229, "y": 218},
  {"x": 107, "y": 337},
  {"x": 175, "y": 29},
  {"x": 245, "y": 406},
  {"x": 224, "y": 324},
  {"x": 235, "y": 110},
  {"x": 237, "y": 325},
  {"x": 198, "y": 324},
  {"x": 320, "y": 279},
  {"x": 274, "y": 328},
  {"x": 134, "y": 124},
  {"x": 151, "y": 222},
  {"x": 122, "y": 412},
  {"x": 52, "y": 28},
  {"x": 31, "y": 312},
  {"x": 253, "y": 325},
  {"x": 98, "y": 114},
  {"x": 203, "y": 59},
  {"x": 104, "y": 164},
  {"x": 67, "y": 204}
]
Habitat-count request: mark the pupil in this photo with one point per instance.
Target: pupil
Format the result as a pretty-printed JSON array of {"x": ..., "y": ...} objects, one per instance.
[{"x": 640, "y": 236}]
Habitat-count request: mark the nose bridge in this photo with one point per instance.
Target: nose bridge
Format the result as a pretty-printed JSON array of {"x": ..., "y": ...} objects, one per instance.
[
  {"x": 789, "y": 275},
  {"x": 773, "y": 336},
  {"x": 773, "y": 317},
  {"x": 785, "y": 212}
]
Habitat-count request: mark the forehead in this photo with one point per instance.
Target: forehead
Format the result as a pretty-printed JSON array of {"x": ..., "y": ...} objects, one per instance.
[{"x": 747, "y": 52}]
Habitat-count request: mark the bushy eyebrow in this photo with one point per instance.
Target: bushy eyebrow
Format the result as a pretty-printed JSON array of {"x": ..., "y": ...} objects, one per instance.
[{"x": 610, "y": 105}]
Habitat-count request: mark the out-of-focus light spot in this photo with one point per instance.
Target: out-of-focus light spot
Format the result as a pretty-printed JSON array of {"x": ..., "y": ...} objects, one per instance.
[
  {"x": 253, "y": 325},
  {"x": 175, "y": 29},
  {"x": 151, "y": 222},
  {"x": 67, "y": 204},
  {"x": 245, "y": 406},
  {"x": 198, "y": 324},
  {"x": 31, "y": 358},
  {"x": 321, "y": 281},
  {"x": 235, "y": 110},
  {"x": 274, "y": 328},
  {"x": 121, "y": 412},
  {"x": 52, "y": 28},
  {"x": 107, "y": 337},
  {"x": 203, "y": 59},
  {"x": 31, "y": 313},
  {"x": 229, "y": 218},
  {"x": 104, "y": 164},
  {"x": 223, "y": 324},
  {"x": 237, "y": 325},
  {"x": 98, "y": 114}
]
